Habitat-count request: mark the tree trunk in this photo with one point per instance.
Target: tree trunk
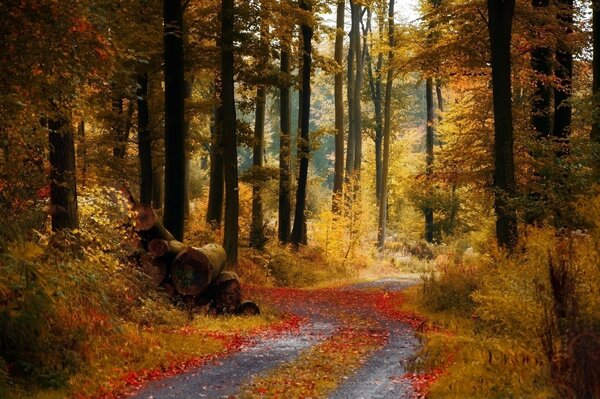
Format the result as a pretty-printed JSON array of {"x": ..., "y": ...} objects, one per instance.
[
  {"x": 564, "y": 73},
  {"x": 175, "y": 156},
  {"x": 194, "y": 269},
  {"x": 299, "y": 230},
  {"x": 158, "y": 182},
  {"x": 350, "y": 95},
  {"x": 144, "y": 140},
  {"x": 285, "y": 151},
  {"x": 214, "y": 211},
  {"x": 595, "y": 135},
  {"x": 117, "y": 126},
  {"x": 63, "y": 179},
  {"x": 387, "y": 112},
  {"x": 257, "y": 234},
  {"x": 230, "y": 239},
  {"x": 541, "y": 63},
  {"x": 338, "y": 179},
  {"x": 82, "y": 155},
  {"x": 429, "y": 137},
  {"x": 359, "y": 52},
  {"x": 500, "y": 14},
  {"x": 375, "y": 89}
]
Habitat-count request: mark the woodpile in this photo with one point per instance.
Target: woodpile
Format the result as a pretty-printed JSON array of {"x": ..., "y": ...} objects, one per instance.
[{"x": 188, "y": 274}]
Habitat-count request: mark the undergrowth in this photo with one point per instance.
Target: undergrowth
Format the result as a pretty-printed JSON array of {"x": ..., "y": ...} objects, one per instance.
[
  {"x": 526, "y": 325},
  {"x": 76, "y": 314}
]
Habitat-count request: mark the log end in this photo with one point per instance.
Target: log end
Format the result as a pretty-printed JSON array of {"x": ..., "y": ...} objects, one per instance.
[
  {"x": 158, "y": 247},
  {"x": 248, "y": 308},
  {"x": 190, "y": 272},
  {"x": 145, "y": 217}
]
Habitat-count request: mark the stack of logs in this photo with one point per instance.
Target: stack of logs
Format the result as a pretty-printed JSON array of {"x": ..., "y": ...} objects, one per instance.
[{"x": 188, "y": 274}]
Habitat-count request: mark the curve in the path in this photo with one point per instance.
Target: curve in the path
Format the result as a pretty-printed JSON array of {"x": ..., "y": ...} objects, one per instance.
[{"x": 379, "y": 378}]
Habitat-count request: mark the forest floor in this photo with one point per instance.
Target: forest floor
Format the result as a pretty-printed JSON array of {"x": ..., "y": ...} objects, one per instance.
[{"x": 351, "y": 342}]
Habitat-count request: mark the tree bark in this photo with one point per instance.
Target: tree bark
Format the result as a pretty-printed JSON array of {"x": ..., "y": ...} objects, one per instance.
[
  {"x": 564, "y": 73},
  {"x": 429, "y": 137},
  {"x": 299, "y": 230},
  {"x": 144, "y": 140},
  {"x": 257, "y": 234},
  {"x": 175, "y": 153},
  {"x": 359, "y": 52},
  {"x": 214, "y": 211},
  {"x": 350, "y": 95},
  {"x": 500, "y": 14},
  {"x": 285, "y": 151},
  {"x": 338, "y": 179},
  {"x": 387, "y": 115},
  {"x": 230, "y": 239},
  {"x": 82, "y": 155},
  {"x": 63, "y": 179},
  {"x": 541, "y": 102},
  {"x": 595, "y": 135},
  {"x": 375, "y": 89}
]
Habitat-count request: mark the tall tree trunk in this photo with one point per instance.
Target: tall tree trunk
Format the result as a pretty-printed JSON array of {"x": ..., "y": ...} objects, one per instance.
[
  {"x": 63, "y": 179},
  {"x": 338, "y": 179},
  {"x": 230, "y": 239},
  {"x": 375, "y": 89},
  {"x": 214, "y": 211},
  {"x": 174, "y": 206},
  {"x": 429, "y": 137},
  {"x": 564, "y": 73},
  {"x": 257, "y": 234},
  {"x": 440, "y": 98},
  {"x": 144, "y": 140},
  {"x": 117, "y": 126},
  {"x": 82, "y": 155},
  {"x": 541, "y": 63},
  {"x": 595, "y": 134},
  {"x": 299, "y": 230},
  {"x": 158, "y": 184},
  {"x": 500, "y": 14},
  {"x": 350, "y": 96},
  {"x": 285, "y": 150},
  {"x": 359, "y": 52},
  {"x": 387, "y": 115}
]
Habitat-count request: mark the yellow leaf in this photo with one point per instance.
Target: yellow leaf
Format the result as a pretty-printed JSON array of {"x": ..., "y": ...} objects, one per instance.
[{"x": 26, "y": 251}]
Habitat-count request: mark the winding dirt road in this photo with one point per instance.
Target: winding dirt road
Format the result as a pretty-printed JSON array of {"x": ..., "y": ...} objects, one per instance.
[{"x": 329, "y": 316}]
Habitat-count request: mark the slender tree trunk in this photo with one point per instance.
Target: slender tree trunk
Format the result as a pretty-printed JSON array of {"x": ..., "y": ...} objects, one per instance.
[
  {"x": 359, "y": 51},
  {"x": 174, "y": 206},
  {"x": 387, "y": 115},
  {"x": 564, "y": 73},
  {"x": 350, "y": 144},
  {"x": 83, "y": 152},
  {"x": 541, "y": 63},
  {"x": 214, "y": 211},
  {"x": 299, "y": 230},
  {"x": 500, "y": 14},
  {"x": 429, "y": 137},
  {"x": 257, "y": 234},
  {"x": 158, "y": 185},
  {"x": 595, "y": 134},
  {"x": 440, "y": 98},
  {"x": 285, "y": 151},
  {"x": 117, "y": 126},
  {"x": 375, "y": 88},
  {"x": 230, "y": 239},
  {"x": 144, "y": 140},
  {"x": 63, "y": 179},
  {"x": 338, "y": 179}
]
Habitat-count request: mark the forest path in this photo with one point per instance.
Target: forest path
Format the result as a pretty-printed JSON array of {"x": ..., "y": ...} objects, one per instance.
[{"x": 332, "y": 315}]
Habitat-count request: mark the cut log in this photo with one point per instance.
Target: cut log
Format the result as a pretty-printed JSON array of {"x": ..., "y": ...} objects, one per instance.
[
  {"x": 148, "y": 224},
  {"x": 169, "y": 289},
  {"x": 227, "y": 293},
  {"x": 155, "y": 268},
  {"x": 159, "y": 247},
  {"x": 248, "y": 308},
  {"x": 194, "y": 269}
]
